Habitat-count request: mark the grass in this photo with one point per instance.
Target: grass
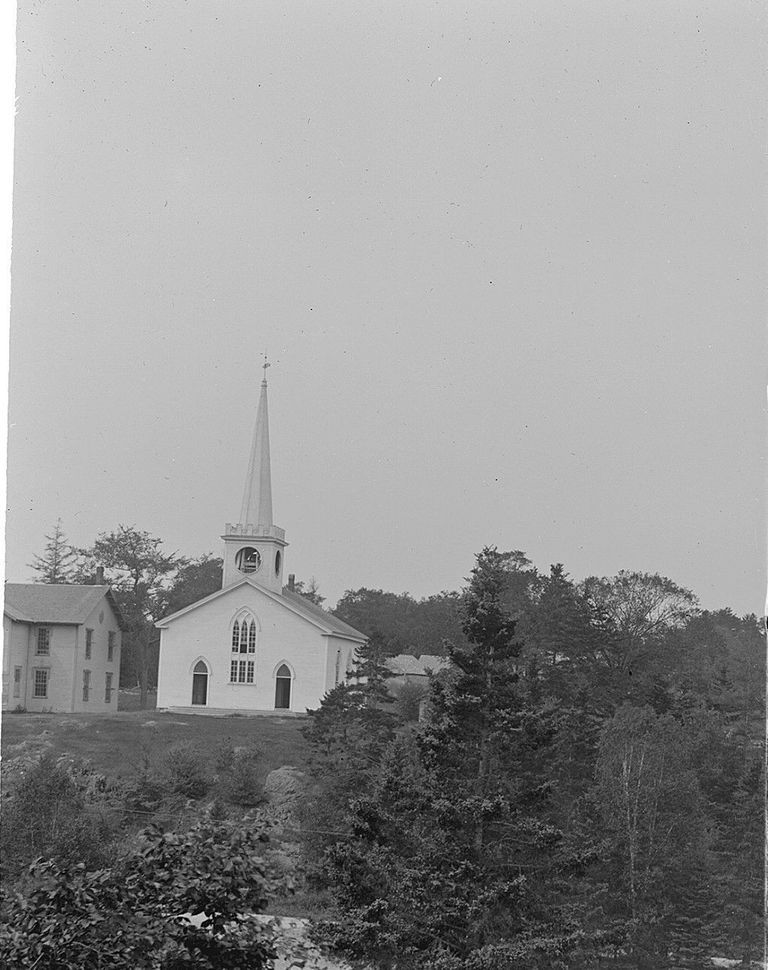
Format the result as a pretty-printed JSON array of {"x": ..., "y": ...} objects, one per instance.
[{"x": 114, "y": 743}]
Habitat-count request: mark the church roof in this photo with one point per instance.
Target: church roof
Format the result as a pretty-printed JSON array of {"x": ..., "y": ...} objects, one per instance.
[
  {"x": 292, "y": 601},
  {"x": 313, "y": 611},
  {"x": 55, "y": 603}
]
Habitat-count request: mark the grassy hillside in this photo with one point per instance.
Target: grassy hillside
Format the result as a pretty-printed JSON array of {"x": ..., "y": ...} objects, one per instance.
[{"x": 116, "y": 744}]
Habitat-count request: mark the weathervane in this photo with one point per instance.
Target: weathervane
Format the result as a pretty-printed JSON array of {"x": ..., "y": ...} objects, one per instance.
[{"x": 265, "y": 365}]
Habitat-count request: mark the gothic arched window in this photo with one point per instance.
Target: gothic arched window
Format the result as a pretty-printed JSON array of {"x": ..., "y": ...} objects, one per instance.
[{"x": 244, "y": 635}]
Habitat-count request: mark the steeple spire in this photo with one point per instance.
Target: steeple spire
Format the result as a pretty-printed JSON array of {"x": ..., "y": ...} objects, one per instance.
[{"x": 256, "y": 509}]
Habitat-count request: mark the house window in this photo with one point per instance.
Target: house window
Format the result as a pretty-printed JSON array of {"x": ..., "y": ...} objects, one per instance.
[
  {"x": 242, "y": 671},
  {"x": 41, "y": 682},
  {"x": 17, "y": 681},
  {"x": 43, "y": 642},
  {"x": 111, "y": 637},
  {"x": 338, "y": 666},
  {"x": 86, "y": 684},
  {"x": 88, "y": 645},
  {"x": 108, "y": 689}
]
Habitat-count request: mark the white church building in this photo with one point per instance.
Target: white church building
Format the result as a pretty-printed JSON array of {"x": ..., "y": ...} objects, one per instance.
[{"x": 254, "y": 645}]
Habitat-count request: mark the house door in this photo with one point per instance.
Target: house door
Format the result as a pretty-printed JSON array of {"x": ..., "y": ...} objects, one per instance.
[
  {"x": 283, "y": 688},
  {"x": 200, "y": 683}
]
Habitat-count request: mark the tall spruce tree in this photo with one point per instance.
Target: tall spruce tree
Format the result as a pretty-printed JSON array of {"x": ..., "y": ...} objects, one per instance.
[
  {"x": 453, "y": 860},
  {"x": 57, "y": 563},
  {"x": 348, "y": 734}
]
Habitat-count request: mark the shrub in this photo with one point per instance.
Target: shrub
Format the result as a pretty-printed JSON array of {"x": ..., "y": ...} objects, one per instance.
[
  {"x": 243, "y": 785},
  {"x": 186, "y": 770},
  {"x": 57, "y": 811},
  {"x": 224, "y": 758},
  {"x": 408, "y": 700},
  {"x": 137, "y": 914}
]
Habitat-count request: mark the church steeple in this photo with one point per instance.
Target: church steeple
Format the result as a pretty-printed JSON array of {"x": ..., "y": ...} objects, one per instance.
[
  {"x": 257, "y": 496},
  {"x": 254, "y": 546}
]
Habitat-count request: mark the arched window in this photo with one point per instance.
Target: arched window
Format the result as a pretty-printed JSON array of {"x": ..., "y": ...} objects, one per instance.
[
  {"x": 283, "y": 688},
  {"x": 244, "y": 636},
  {"x": 338, "y": 666}
]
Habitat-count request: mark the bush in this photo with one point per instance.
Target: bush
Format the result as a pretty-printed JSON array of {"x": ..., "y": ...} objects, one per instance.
[
  {"x": 57, "y": 811},
  {"x": 243, "y": 785},
  {"x": 136, "y": 915},
  {"x": 408, "y": 700},
  {"x": 224, "y": 758},
  {"x": 186, "y": 770}
]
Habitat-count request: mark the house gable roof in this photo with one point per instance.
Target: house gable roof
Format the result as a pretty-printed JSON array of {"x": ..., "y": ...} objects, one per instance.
[
  {"x": 56, "y": 603},
  {"x": 297, "y": 604}
]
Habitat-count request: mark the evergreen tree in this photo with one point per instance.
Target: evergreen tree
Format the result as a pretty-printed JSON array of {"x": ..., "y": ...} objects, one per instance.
[
  {"x": 347, "y": 734},
  {"x": 57, "y": 563},
  {"x": 453, "y": 860},
  {"x": 310, "y": 591}
]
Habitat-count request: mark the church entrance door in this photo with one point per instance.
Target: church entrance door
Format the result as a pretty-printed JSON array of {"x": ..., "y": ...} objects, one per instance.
[
  {"x": 283, "y": 688},
  {"x": 200, "y": 684}
]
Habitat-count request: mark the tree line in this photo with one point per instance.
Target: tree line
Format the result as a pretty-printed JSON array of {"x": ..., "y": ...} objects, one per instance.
[{"x": 584, "y": 789}]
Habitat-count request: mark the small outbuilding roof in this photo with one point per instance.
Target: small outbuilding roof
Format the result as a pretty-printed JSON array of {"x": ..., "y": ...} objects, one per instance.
[
  {"x": 44, "y": 603},
  {"x": 404, "y": 664}
]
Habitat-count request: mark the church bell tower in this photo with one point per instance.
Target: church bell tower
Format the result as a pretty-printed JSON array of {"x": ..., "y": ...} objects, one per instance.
[{"x": 254, "y": 545}]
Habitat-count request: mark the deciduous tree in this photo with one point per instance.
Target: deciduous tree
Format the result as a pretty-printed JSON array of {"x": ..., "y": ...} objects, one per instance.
[
  {"x": 193, "y": 581},
  {"x": 140, "y": 574}
]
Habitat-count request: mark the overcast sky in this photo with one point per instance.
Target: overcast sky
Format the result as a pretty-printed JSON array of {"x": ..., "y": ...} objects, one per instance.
[{"x": 508, "y": 260}]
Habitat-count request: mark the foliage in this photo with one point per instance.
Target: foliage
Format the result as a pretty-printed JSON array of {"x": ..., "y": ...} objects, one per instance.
[
  {"x": 139, "y": 573},
  {"x": 186, "y": 770},
  {"x": 409, "y": 697},
  {"x": 57, "y": 563},
  {"x": 242, "y": 784},
  {"x": 637, "y": 613},
  {"x": 654, "y": 823},
  {"x": 193, "y": 581},
  {"x": 587, "y": 786},
  {"x": 450, "y": 849},
  {"x": 58, "y": 811},
  {"x": 401, "y": 624},
  {"x": 136, "y": 914},
  {"x": 309, "y": 590},
  {"x": 347, "y": 735}
]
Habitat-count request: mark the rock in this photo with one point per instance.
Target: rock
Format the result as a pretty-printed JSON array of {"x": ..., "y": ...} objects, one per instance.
[{"x": 284, "y": 786}]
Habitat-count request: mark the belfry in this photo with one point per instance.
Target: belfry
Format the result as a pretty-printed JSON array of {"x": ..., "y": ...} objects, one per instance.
[{"x": 254, "y": 646}]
